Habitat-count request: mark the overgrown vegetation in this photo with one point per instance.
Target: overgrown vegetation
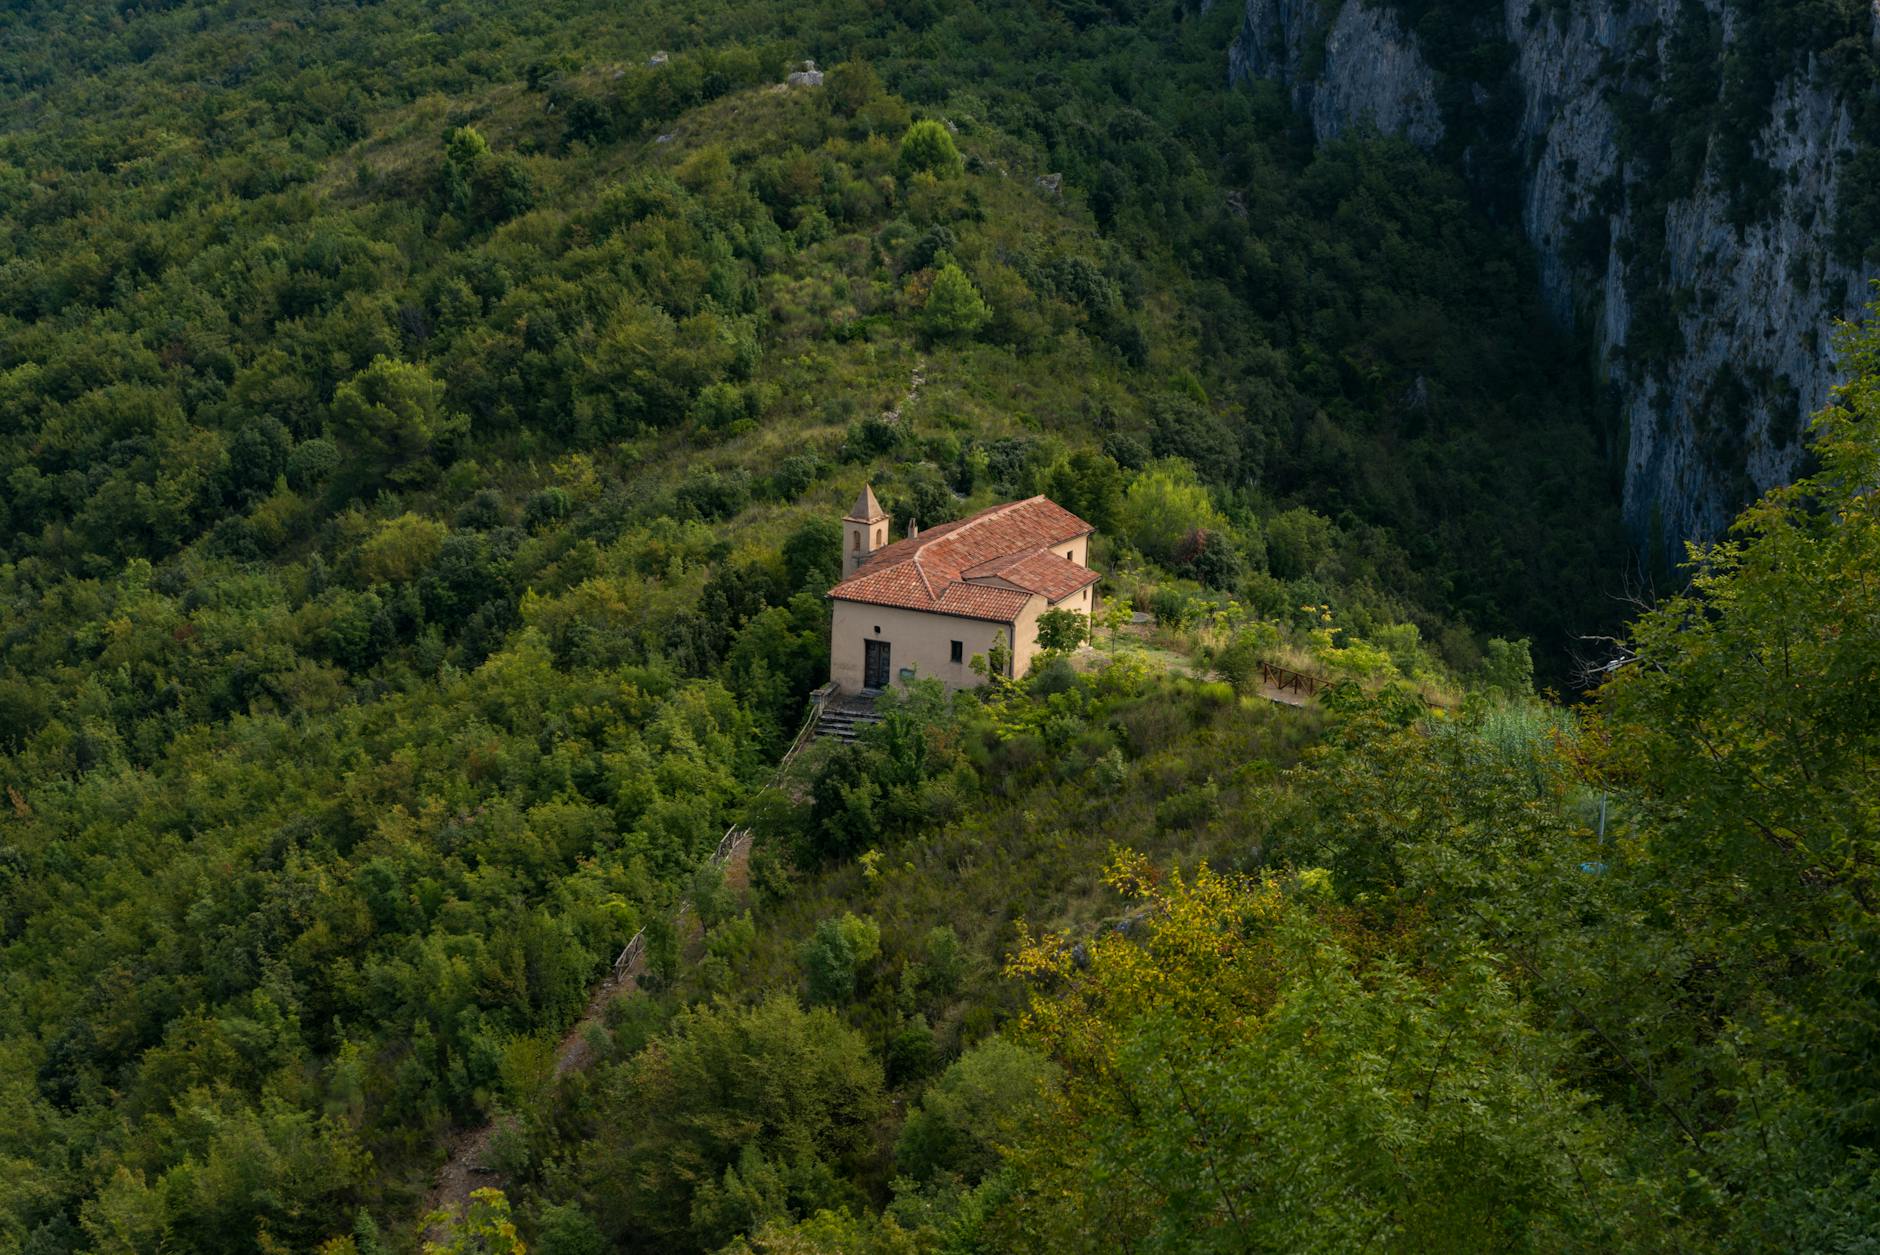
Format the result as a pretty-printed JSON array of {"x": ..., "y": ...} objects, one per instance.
[
  {"x": 1515, "y": 978},
  {"x": 422, "y": 439}
]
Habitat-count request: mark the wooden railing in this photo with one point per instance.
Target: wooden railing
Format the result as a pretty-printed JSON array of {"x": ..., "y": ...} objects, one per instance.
[
  {"x": 636, "y": 947},
  {"x": 1286, "y": 680}
]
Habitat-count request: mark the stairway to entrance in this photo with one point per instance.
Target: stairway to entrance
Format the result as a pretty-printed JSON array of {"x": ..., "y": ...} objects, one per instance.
[{"x": 846, "y": 717}]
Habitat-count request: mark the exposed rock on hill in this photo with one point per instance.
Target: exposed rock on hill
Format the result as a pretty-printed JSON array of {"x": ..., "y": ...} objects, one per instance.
[{"x": 1707, "y": 308}]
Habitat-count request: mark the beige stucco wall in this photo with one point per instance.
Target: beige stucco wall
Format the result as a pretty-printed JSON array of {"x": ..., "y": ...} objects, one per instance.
[
  {"x": 859, "y": 539},
  {"x": 923, "y": 641},
  {"x": 1025, "y": 636},
  {"x": 915, "y": 639},
  {"x": 1026, "y": 629}
]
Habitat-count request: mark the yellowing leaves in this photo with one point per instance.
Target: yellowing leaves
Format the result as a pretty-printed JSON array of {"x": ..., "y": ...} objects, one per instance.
[{"x": 400, "y": 549}]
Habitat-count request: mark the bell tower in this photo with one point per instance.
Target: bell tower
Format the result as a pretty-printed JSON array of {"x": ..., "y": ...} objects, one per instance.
[{"x": 864, "y": 530}]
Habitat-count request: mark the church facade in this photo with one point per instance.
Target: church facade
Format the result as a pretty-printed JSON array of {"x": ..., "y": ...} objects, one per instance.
[{"x": 925, "y": 605}]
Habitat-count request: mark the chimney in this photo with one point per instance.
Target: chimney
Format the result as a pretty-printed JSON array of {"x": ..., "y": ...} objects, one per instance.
[{"x": 913, "y": 529}]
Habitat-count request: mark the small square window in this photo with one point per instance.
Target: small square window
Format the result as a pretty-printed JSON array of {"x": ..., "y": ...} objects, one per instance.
[{"x": 959, "y": 651}]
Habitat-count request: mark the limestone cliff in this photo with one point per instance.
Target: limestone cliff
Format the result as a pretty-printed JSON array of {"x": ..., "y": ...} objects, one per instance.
[{"x": 1710, "y": 319}]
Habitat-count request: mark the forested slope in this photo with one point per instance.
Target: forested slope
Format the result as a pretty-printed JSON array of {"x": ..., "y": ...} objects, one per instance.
[
  {"x": 1372, "y": 977},
  {"x": 423, "y": 430}
]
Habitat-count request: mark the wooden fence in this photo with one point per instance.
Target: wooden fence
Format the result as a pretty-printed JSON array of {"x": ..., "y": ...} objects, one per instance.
[
  {"x": 635, "y": 949},
  {"x": 1286, "y": 680}
]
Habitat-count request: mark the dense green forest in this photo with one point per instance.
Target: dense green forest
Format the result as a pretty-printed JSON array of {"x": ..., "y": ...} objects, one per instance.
[{"x": 422, "y": 433}]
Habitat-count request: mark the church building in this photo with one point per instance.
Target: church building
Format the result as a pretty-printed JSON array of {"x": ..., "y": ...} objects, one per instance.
[{"x": 925, "y": 605}]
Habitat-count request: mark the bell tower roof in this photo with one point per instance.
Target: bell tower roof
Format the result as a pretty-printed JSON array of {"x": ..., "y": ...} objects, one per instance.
[{"x": 867, "y": 509}]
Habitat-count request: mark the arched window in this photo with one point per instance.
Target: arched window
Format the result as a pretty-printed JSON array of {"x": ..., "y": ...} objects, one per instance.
[
  {"x": 855, "y": 539},
  {"x": 878, "y": 535}
]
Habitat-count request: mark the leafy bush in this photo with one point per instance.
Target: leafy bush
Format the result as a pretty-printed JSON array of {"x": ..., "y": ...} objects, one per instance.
[
  {"x": 740, "y": 1114},
  {"x": 954, "y": 308},
  {"x": 1163, "y": 506},
  {"x": 1298, "y": 542},
  {"x": 310, "y": 463},
  {"x": 836, "y": 956},
  {"x": 985, "y": 1098},
  {"x": 1060, "y": 631},
  {"x": 928, "y": 148},
  {"x": 1172, "y": 607}
]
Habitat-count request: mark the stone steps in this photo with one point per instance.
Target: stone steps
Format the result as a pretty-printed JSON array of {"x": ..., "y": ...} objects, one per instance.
[{"x": 845, "y": 723}]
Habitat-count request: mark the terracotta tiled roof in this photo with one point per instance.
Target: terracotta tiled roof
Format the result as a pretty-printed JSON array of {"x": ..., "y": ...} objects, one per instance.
[
  {"x": 1040, "y": 571},
  {"x": 940, "y": 570}
]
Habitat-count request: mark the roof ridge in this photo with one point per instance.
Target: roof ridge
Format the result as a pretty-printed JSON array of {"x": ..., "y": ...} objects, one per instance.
[
  {"x": 932, "y": 570},
  {"x": 967, "y": 524}
]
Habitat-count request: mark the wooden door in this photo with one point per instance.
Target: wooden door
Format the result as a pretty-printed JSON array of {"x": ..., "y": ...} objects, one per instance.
[{"x": 875, "y": 664}]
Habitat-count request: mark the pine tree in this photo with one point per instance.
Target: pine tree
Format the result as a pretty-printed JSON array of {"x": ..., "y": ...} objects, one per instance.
[{"x": 955, "y": 310}]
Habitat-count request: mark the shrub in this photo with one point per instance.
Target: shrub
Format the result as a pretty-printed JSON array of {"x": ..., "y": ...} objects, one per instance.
[
  {"x": 794, "y": 476},
  {"x": 400, "y": 549},
  {"x": 1171, "y": 607},
  {"x": 928, "y": 147},
  {"x": 1508, "y": 668},
  {"x": 835, "y": 956},
  {"x": 1163, "y": 507},
  {"x": 910, "y": 1052},
  {"x": 719, "y": 405},
  {"x": 310, "y": 463},
  {"x": 954, "y": 309},
  {"x": 546, "y": 506},
  {"x": 483, "y": 512},
  {"x": 1239, "y": 663},
  {"x": 392, "y": 416},
  {"x": 1297, "y": 543},
  {"x": 844, "y": 804},
  {"x": 564, "y": 1229},
  {"x": 1060, "y": 631},
  {"x": 1211, "y": 557},
  {"x": 713, "y": 495},
  {"x": 946, "y": 961},
  {"x": 975, "y": 1105},
  {"x": 931, "y": 247}
]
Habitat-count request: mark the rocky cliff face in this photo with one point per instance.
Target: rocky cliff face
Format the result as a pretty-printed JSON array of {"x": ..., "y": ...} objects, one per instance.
[{"x": 1714, "y": 335}]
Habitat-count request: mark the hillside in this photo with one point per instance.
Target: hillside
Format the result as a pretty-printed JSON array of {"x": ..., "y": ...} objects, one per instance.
[{"x": 424, "y": 432}]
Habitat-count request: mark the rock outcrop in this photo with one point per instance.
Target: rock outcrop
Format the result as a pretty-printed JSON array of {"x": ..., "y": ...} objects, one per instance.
[
  {"x": 1739, "y": 313},
  {"x": 1371, "y": 72}
]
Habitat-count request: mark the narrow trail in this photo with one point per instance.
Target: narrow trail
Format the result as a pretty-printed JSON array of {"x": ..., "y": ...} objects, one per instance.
[{"x": 467, "y": 1167}]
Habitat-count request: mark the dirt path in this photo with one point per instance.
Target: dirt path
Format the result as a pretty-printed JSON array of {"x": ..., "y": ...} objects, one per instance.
[{"x": 468, "y": 1168}]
